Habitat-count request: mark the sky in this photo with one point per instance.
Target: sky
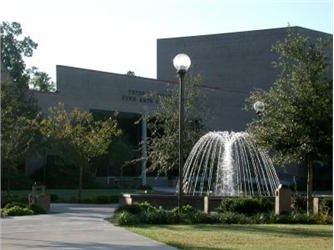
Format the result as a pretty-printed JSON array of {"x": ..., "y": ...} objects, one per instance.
[{"x": 120, "y": 35}]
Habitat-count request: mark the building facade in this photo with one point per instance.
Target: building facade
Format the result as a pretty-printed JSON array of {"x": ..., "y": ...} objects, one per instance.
[{"x": 231, "y": 65}]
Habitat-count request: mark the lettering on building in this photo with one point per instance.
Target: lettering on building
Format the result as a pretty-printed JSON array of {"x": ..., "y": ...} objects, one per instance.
[{"x": 134, "y": 95}]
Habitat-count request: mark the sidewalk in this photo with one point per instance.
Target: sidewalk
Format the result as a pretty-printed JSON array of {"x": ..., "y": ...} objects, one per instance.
[{"x": 72, "y": 226}]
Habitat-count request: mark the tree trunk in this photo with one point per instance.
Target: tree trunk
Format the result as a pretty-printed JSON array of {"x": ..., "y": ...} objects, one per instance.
[
  {"x": 309, "y": 186},
  {"x": 80, "y": 183}
]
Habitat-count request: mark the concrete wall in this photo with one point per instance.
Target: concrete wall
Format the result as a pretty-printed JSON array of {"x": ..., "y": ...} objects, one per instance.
[{"x": 96, "y": 90}]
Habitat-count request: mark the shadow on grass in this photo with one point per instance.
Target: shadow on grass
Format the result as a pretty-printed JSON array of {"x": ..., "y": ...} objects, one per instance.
[
  {"x": 265, "y": 229},
  {"x": 306, "y": 231}
]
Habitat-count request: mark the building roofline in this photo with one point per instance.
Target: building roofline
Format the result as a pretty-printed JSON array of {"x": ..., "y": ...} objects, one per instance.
[
  {"x": 112, "y": 73},
  {"x": 244, "y": 32},
  {"x": 123, "y": 75}
]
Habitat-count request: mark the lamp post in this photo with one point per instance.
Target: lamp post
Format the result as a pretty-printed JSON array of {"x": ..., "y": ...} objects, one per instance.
[
  {"x": 259, "y": 108},
  {"x": 181, "y": 63}
]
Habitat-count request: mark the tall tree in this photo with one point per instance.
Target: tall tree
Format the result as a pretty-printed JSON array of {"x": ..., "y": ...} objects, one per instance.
[
  {"x": 80, "y": 137},
  {"x": 297, "y": 124},
  {"x": 18, "y": 105},
  {"x": 163, "y": 126},
  {"x": 13, "y": 50}
]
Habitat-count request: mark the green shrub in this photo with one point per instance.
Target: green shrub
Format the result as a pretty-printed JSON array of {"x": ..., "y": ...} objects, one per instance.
[
  {"x": 234, "y": 218},
  {"x": 37, "y": 209},
  {"x": 147, "y": 207},
  {"x": 299, "y": 204},
  {"x": 246, "y": 205},
  {"x": 326, "y": 205},
  {"x": 12, "y": 198},
  {"x": 126, "y": 219},
  {"x": 15, "y": 203},
  {"x": 17, "y": 211},
  {"x": 160, "y": 216},
  {"x": 325, "y": 217}
]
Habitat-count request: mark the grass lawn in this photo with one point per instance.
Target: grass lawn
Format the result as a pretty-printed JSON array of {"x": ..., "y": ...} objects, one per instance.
[
  {"x": 67, "y": 195},
  {"x": 213, "y": 237}
]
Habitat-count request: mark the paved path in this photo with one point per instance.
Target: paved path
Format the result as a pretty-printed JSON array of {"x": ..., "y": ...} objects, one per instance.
[{"x": 72, "y": 226}]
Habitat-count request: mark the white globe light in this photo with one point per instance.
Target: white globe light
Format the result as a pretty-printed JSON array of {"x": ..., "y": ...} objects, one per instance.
[
  {"x": 258, "y": 107},
  {"x": 181, "y": 62}
]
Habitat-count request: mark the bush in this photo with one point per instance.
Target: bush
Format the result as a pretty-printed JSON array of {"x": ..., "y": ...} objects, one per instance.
[
  {"x": 15, "y": 203},
  {"x": 32, "y": 207},
  {"x": 160, "y": 216},
  {"x": 125, "y": 219},
  {"x": 299, "y": 204},
  {"x": 17, "y": 211},
  {"x": 37, "y": 209},
  {"x": 246, "y": 205},
  {"x": 12, "y": 198},
  {"x": 147, "y": 214},
  {"x": 147, "y": 207},
  {"x": 234, "y": 218},
  {"x": 326, "y": 205}
]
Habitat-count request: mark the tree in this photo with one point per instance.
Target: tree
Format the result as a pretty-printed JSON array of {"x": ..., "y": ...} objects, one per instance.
[
  {"x": 13, "y": 51},
  {"x": 80, "y": 137},
  {"x": 163, "y": 126},
  {"x": 18, "y": 105},
  {"x": 297, "y": 124},
  {"x": 40, "y": 81}
]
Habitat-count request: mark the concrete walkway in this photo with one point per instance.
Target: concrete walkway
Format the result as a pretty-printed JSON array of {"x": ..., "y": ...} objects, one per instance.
[{"x": 72, "y": 226}]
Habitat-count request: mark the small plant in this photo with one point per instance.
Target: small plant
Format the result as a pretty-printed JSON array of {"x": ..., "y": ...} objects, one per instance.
[
  {"x": 17, "y": 211},
  {"x": 15, "y": 203},
  {"x": 246, "y": 205},
  {"x": 37, "y": 209},
  {"x": 126, "y": 219}
]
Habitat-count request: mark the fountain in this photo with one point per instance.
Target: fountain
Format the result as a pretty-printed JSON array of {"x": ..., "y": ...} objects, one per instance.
[{"x": 228, "y": 164}]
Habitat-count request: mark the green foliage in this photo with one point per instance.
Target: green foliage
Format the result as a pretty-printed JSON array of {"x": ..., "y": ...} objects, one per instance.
[
  {"x": 18, "y": 105},
  {"x": 126, "y": 219},
  {"x": 13, "y": 50},
  {"x": 77, "y": 131},
  {"x": 5, "y": 199},
  {"x": 163, "y": 126},
  {"x": 144, "y": 213},
  {"x": 12, "y": 208},
  {"x": 246, "y": 205},
  {"x": 234, "y": 218},
  {"x": 326, "y": 204},
  {"x": 297, "y": 122},
  {"x": 15, "y": 204},
  {"x": 77, "y": 136},
  {"x": 40, "y": 80},
  {"x": 37, "y": 209},
  {"x": 297, "y": 126},
  {"x": 17, "y": 211}
]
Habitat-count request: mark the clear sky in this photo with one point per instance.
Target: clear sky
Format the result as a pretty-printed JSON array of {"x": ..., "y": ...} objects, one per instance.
[{"x": 120, "y": 35}]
